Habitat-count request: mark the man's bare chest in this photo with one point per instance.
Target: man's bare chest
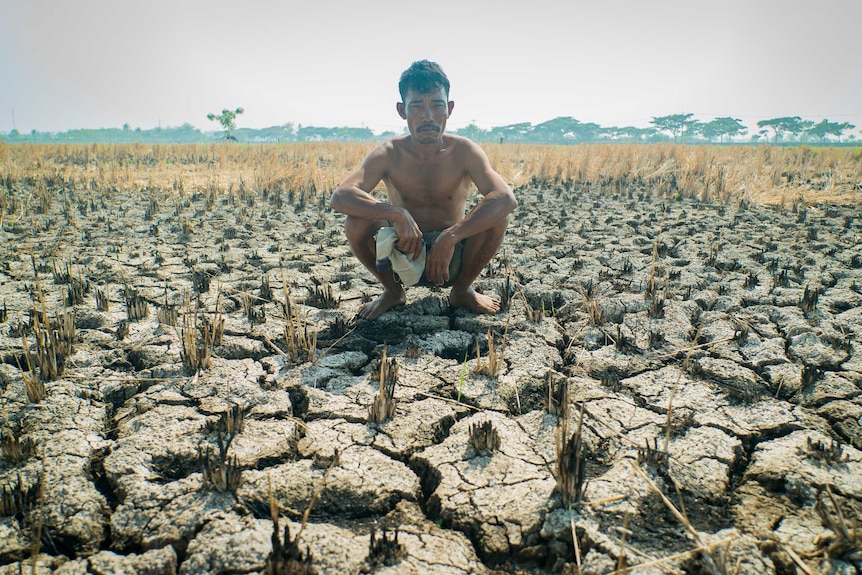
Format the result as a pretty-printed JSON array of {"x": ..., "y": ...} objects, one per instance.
[{"x": 427, "y": 179}]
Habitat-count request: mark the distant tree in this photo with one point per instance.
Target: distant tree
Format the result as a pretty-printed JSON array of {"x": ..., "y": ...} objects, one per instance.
[
  {"x": 227, "y": 119},
  {"x": 473, "y": 132},
  {"x": 630, "y": 133},
  {"x": 825, "y": 128},
  {"x": 555, "y": 131},
  {"x": 792, "y": 125},
  {"x": 676, "y": 124},
  {"x": 723, "y": 127},
  {"x": 512, "y": 132}
]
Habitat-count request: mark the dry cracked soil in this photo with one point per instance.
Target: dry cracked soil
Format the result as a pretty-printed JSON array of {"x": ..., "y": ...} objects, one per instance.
[{"x": 709, "y": 355}]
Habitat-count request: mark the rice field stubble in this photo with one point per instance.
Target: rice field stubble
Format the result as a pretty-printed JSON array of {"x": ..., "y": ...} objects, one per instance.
[{"x": 701, "y": 305}]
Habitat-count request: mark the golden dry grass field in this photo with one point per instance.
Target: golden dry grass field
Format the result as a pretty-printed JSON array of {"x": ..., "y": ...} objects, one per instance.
[{"x": 764, "y": 175}]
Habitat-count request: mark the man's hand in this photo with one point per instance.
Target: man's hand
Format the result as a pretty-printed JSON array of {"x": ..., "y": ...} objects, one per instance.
[
  {"x": 438, "y": 259},
  {"x": 409, "y": 234}
]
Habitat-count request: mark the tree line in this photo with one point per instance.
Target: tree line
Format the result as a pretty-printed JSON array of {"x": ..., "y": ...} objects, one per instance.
[{"x": 561, "y": 130}]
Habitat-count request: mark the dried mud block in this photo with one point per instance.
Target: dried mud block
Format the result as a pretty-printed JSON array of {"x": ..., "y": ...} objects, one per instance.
[
  {"x": 233, "y": 544},
  {"x": 237, "y": 347},
  {"x": 497, "y": 500},
  {"x": 787, "y": 464},
  {"x": 42, "y": 565},
  {"x": 733, "y": 379},
  {"x": 418, "y": 424},
  {"x": 155, "y": 562},
  {"x": 846, "y": 419},
  {"x": 774, "y": 516},
  {"x": 607, "y": 362},
  {"x": 152, "y": 515},
  {"x": 763, "y": 352},
  {"x": 740, "y": 555},
  {"x": 702, "y": 459},
  {"x": 831, "y": 386},
  {"x": 706, "y": 407},
  {"x": 347, "y": 362},
  {"x": 529, "y": 358},
  {"x": 428, "y": 549},
  {"x": 233, "y": 380},
  {"x": 229, "y": 543},
  {"x": 68, "y": 430},
  {"x": 160, "y": 442},
  {"x": 14, "y": 542},
  {"x": 73, "y": 510},
  {"x": 361, "y": 482},
  {"x": 348, "y": 398},
  {"x": 812, "y": 350},
  {"x": 264, "y": 441}
]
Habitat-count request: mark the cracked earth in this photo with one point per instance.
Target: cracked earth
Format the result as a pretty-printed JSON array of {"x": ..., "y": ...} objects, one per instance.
[{"x": 715, "y": 350}]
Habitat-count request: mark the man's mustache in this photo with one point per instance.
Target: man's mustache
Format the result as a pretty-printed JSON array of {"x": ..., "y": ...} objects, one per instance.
[{"x": 429, "y": 128}]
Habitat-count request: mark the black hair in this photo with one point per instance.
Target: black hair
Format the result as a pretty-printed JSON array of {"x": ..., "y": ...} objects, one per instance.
[{"x": 423, "y": 77}]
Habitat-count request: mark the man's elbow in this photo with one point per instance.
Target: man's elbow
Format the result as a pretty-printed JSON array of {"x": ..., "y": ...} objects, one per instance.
[
  {"x": 336, "y": 200},
  {"x": 511, "y": 202}
]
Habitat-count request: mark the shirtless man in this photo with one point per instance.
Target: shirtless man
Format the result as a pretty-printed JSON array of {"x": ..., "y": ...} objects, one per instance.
[{"x": 427, "y": 176}]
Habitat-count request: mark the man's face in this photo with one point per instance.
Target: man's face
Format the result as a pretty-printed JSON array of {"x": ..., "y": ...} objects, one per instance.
[{"x": 426, "y": 114}]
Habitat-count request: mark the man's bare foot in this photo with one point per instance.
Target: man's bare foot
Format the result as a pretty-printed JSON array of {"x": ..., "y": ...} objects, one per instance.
[
  {"x": 478, "y": 303},
  {"x": 386, "y": 301}
]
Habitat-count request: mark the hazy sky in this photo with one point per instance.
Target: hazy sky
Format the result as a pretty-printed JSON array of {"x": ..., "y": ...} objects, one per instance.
[{"x": 103, "y": 63}]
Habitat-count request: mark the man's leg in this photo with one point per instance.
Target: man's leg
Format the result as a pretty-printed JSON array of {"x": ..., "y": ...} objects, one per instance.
[
  {"x": 478, "y": 251},
  {"x": 360, "y": 236}
]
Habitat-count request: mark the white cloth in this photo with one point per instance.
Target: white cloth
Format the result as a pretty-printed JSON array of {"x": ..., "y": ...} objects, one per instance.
[{"x": 409, "y": 270}]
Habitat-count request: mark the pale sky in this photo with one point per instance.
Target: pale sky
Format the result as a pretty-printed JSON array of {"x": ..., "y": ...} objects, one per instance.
[{"x": 68, "y": 64}]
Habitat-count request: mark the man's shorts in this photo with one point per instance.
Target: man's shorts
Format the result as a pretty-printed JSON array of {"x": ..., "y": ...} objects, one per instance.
[{"x": 454, "y": 265}]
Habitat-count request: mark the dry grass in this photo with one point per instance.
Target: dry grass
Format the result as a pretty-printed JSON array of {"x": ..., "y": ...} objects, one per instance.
[{"x": 305, "y": 173}]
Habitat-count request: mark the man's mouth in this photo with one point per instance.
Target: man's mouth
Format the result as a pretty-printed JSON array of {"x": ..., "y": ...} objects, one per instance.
[{"x": 428, "y": 128}]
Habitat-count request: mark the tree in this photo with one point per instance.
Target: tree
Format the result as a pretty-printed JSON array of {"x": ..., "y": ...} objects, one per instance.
[
  {"x": 227, "y": 119},
  {"x": 826, "y": 128},
  {"x": 721, "y": 127},
  {"x": 785, "y": 125},
  {"x": 676, "y": 124}
]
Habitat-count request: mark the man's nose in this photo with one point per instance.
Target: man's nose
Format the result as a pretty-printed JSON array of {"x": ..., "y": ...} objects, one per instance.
[{"x": 427, "y": 113}]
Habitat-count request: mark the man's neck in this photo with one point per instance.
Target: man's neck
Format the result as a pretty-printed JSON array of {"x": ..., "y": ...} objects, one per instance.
[{"x": 427, "y": 150}]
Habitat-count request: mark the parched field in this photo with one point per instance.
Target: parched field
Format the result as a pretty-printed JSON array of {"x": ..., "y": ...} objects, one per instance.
[{"x": 674, "y": 384}]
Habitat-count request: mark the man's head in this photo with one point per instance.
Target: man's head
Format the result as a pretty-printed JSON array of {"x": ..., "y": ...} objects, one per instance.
[
  {"x": 423, "y": 77},
  {"x": 425, "y": 101}
]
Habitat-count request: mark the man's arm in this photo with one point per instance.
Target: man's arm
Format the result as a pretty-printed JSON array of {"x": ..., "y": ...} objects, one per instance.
[
  {"x": 497, "y": 203},
  {"x": 353, "y": 198}
]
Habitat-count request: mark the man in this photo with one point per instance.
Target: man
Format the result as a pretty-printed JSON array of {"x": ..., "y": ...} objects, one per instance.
[{"x": 427, "y": 176}]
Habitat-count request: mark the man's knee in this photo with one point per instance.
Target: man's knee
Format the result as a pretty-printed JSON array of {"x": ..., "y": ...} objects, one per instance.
[{"x": 360, "y": 229}]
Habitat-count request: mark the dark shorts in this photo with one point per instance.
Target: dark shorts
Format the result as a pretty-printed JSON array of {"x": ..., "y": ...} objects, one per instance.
[{"x": 454, "y": 266}]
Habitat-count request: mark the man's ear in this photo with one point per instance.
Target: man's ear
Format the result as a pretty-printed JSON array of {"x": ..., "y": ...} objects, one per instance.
[
  {"x": 401, "y": 111},
  {"x": 451, "y": 107}
]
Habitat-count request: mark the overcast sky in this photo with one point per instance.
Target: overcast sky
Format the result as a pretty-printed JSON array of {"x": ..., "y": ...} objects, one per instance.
[{"x": 102, "y": 63}]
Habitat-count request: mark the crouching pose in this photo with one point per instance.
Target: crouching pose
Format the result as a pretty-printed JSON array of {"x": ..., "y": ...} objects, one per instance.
[{"x": 427, "y": 175}]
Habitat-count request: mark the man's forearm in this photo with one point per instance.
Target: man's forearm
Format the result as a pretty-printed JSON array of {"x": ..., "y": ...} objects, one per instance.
[
  {"x": 491, "y": 211},
  {"x": 362, "y": 205}
]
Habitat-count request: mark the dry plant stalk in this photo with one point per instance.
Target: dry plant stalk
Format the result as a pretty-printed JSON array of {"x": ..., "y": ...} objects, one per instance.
[
  {"x": 484, "y": 437},
  {"x": 495, "y": 358},
  {"x": 199, "y": 338},
  {"x": 384, "y": 552},
  {"x": 301, "y": 345},
  {"x": 383, "y": 407},
  {"x": 53, "y": 345},
  {"x": 221, "y": 472},
  {"x": 845, "y": 543},
  {"x": 13, "y": 448},
  {"x": 571, "y": 459}
]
